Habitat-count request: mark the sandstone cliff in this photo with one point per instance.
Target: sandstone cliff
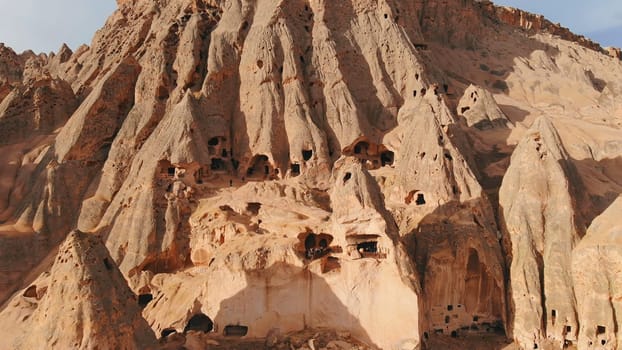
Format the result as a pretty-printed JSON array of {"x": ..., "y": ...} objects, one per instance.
[{"x": 414, "y": 174}]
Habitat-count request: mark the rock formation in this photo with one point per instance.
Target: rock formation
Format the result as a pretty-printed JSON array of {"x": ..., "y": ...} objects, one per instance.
[
  {"x": 595, "y": 264},
  {"x": 382, "y": 174},
  {"x": 97, "y": 308}
]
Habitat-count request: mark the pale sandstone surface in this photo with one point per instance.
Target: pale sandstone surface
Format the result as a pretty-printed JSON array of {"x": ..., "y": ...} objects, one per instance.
[
  {"x": 268, "y": 167},
  {"x": 82, "y": 302}
]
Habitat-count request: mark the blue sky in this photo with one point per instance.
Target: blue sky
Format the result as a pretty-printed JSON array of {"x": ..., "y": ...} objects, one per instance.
[
  {"x": 43, "y": 25},
  {"x": 599, "y": 20}
]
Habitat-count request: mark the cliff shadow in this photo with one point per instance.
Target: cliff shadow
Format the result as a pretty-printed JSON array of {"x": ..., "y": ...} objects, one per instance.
[
  {"x": 285, "y": 298},
  {"x": 462, "y": 270}
]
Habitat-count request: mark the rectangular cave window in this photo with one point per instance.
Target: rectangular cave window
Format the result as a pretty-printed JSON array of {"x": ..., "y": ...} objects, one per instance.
[
  {"x": 295, "y": 169},
  {"x": 601, "y": 330},
  {"x": 450, "y": 307},
  {"x": 224, "y": 153},
  {"x": 446, "y": 319},
  {"x": 171, "y": 171},
  {"x": 420, "y": 199},
  {"x": 568, "y": 329},
  {"x": 235, "y": 331},
  {"x": 367, "y": 247}
]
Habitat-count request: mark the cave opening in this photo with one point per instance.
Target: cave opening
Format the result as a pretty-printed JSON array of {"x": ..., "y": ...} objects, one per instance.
[
  {"x": 347, "y": 177},
  {"x": 316, "y": 245},
  {"x": 214, "y": 141},
  {"x": 370, "y": 247},
  {"x": 420, "y": 199},
  {"x": 167, "y": 331},
  {"x": 361, "y": 148},
  {"x": 171, "y": 171},
  {"x": 144, "y": 299},
  {"x": 295, "y": 169},
  {"x": 387, "y": 158},
  {"x": 199, "y": 322},
  {"x": 601, "y": 330},
  {"x": 307, "y": 154},
  {"x": 235, "y": 331},
  {"x": 259, "y": 165}
]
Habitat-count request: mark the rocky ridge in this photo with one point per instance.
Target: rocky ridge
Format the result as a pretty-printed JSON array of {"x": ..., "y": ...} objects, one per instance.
[{"x": 396, "y": 170}]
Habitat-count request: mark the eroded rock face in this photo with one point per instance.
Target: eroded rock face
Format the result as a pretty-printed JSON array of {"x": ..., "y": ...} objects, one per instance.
[
  {"x": 97, "y": 309},
  {"x": 256, "y": 168},
  {"x": 541, "y": 228},
  {"x": 597, "y": 284},
  {"x": 480, "y": 109}
]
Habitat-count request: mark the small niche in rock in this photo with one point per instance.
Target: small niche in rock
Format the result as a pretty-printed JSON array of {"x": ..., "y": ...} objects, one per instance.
[
  {"x": 235, "y": 331},
  {"x": 464, "y": 109},
  {"x": 253, "y": 208},
  {"x": 387, "y": 158},
  {"x": 144, "y": 299},
  {"x": 307, "y": 154},
  {"x": 313, "y": 245},
  {"x": 295, "y": 169},
  {"x": 214, "y": 141},
  {"x": 199, "y": 322},
  {"x": 420, "y": 199},
  {"x": 450, "y": 307},
  {"x": 601, "y": 330},
  {"x": 259, "y": 64},
  {"x": 167, "y": 331},
  {"x": 30, "y": 292},
  {"x": 171, "y": 171},
  {"x": 347, "y": 177}
]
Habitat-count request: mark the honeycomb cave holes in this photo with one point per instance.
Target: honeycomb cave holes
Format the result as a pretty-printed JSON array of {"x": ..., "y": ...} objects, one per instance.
[
  {"x": 200, "y": 323},
  {"x": 313, "y": 245},
  {"x": 260, "y": 167}
]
